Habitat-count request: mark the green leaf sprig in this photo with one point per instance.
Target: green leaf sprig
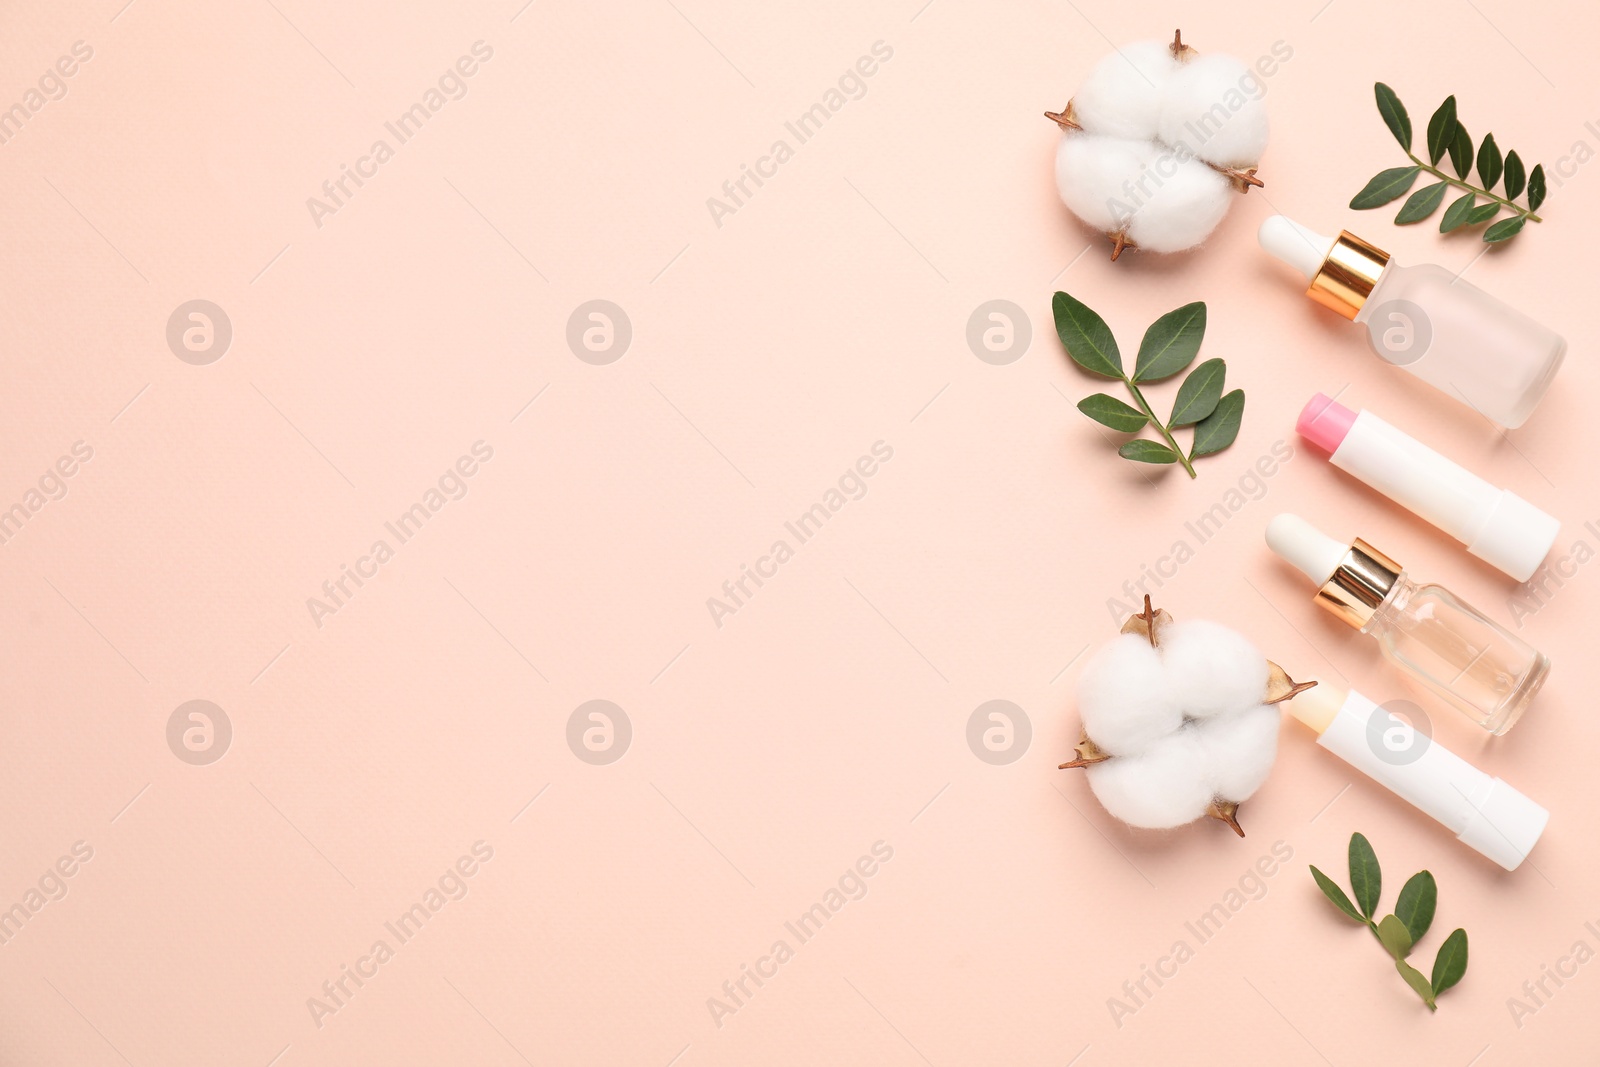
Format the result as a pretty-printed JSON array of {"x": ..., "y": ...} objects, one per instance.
[
  {"x": 1448, "y": 137},
  {"x": 1400, "y": 931},
  {"x": 1170, "y": 344}
]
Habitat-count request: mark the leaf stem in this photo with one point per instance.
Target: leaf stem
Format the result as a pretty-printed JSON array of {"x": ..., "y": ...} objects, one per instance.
[
  {"x": 1144, "y": 406},
  {"x": 1526, "y": 213}
]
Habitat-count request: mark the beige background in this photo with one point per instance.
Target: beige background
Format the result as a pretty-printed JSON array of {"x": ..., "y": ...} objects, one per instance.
[{"x": 768, "y": 353}]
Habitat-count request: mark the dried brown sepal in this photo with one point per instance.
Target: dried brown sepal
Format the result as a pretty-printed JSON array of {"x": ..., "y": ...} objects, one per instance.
[
  {"x": 1226, "y": 811},
  {"x": 1088, "y": 753},
  {"x": 1180, "y": 51},
  {"x": 1148, "y": 623},
  {"x": 1241, "y": 180},
  {"x": 1064, "y": 118},
  {"x": 1280, "y": 686},
  {"x": 1120, "y": 242}
]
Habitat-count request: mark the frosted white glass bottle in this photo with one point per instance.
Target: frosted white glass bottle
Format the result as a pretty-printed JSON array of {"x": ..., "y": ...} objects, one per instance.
[{"x": 1424, "y": 318}]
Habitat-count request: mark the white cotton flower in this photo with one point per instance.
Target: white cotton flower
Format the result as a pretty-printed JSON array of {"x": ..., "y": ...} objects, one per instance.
[
  {"x": 1154, "y": 142},
  {"x": 1124, "y": 94},
  {"x": 1211, "y": 669},
  {"x": 1124, "y": 698},
  {"x": 1214, "y": 105},
  {"x": 1165, "y": 786},
  {"x": 1180, "y": 727}
]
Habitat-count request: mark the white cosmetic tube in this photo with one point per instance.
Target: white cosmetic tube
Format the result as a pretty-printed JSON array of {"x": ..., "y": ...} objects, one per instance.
[
  {"x": 1480, "y": 810},
  {"x": 1495, "y": 524}
]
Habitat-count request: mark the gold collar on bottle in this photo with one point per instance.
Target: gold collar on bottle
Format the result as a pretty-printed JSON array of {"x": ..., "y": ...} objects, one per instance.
[
  {"x": 1348, "y": 275},
  {"x": 1359, "y": 584}
]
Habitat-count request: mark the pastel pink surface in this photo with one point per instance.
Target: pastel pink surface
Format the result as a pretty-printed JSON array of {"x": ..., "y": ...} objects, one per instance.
[
  {"x": 1324, "y": 422},
  {"x": 436, "y": 703}
]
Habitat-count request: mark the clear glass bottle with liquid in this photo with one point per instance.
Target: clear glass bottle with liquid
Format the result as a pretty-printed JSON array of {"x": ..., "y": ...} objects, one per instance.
[
  {"x": 1482, "y": 668},
  {"x": 1427, "y": 320},
  {"x": 1470, "y": 660}
]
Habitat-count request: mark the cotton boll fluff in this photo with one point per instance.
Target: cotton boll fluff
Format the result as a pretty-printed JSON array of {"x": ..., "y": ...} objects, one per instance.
[
  {"x": 1215, "y": 105},
  {"x": 1211, "y": 669},
  {"x": 1239, "y": 749},
  {"x": 1124, "y": 699},
  {"x": 1181, "y": 208},
  {"x": 1124, "y": 94},
  {"x": 1178, "y": 721},
  {"x": 1164, "y": 786},
  {"x": 1091, "y": 170},
  {"x": 1154, "y": 141}
]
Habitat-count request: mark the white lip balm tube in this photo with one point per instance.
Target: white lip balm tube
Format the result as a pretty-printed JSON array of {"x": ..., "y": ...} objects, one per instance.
[
  {"x": 1496, "y": 525},
  {"x": 1480, "y": 810}
]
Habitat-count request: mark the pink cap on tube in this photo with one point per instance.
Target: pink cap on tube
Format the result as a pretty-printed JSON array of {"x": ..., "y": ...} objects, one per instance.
[{"x": 1324, "y": 422}]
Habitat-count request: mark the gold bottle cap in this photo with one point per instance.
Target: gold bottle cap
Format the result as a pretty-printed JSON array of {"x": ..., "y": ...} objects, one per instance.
[
  {"x": 1359, "y": 584},
  {"x": 1347, "y": 277}
]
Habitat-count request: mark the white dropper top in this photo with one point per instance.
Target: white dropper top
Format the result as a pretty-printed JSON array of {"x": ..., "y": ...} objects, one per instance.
[
  {"x": 1308, "y": 548},
  {"x": 1303, "y": 249}
]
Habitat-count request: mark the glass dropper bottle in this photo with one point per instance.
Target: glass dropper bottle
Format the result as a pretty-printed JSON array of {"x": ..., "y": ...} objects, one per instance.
[{"x": 1472, "y": 661}]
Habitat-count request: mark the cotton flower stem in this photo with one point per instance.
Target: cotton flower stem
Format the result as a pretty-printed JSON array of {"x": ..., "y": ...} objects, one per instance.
[
  {"x": 1172, "y": 443},
  {"x": 1469, "y": 187}
]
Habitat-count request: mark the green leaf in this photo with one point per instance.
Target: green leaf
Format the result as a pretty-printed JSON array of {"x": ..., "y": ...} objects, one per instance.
[
  {"x": 1451, "y": 962},
  {"x": 1418, "y": 899},
  {"x": 1461, "y": 152},
  {"x": 1366, "y": 879},
  {"x": 1142, "y": 451},
  {"x": 1394, "y": 114},
  {"x": 1441, "y": 130},
  {"x": 1199, "y": 393},
  {"x": 1086, "y": 337},
  {"x": 1489, "y": 162},
  {"x": 1482, "y": 213},
  {"x": 1385, "y": 186},
  {"x": 1458, "y": 213},
  {"x": 1422, "y": 203},
  {"x": 1536, "y": 188},
  {"x": 1217, "y": 430},
  {"x": 1415, "y": 979},
  {"x": 1505, "y": 229},
  {"x": 1516, "y": 175},
  {"x": 1171, "y": 343},
  {"x": 1331, "y": 890},
  {"x": 1392, "y": 932},
  {"x": 1109, "y": 411}
]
